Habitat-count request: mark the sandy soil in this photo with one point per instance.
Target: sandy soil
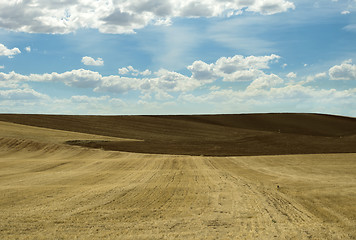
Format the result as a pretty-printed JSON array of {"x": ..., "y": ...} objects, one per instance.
[{"x": 49, "y": 190}]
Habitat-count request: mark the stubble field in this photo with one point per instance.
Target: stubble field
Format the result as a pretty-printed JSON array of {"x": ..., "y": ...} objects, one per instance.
[{"x": 52, "y": 190}]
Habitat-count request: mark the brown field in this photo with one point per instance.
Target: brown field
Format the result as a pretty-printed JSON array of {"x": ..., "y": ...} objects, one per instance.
[{"x": 222, "y": 185}]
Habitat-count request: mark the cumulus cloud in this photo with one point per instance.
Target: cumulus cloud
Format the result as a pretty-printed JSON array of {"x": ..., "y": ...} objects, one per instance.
[
  {"x": 10, "y": 53},
  {"x": 80, "y": 78},
  {"x": 146, "y": 73},
  {"x": 214, "y": 88},
  {"x": 28, "y": 49},
  {"x": 270, "y": 90},
  {"x": 312, "y": 78},
  {"x": 265, "y": 82},
  {"x": 21, "y": 94},
  {"x": 92, "y": 62},
  {"x": 9, "y": 84},
  {"x": 202, "y": 71},
  {"x": 232, "y": 64},
  {"x": 117, "y": 84},
  {"x": 2, "y": 66},
  {"x": 123, "y": 71},
  {"x": 291, "y": 75},
  {"x": 132, "y": 71},
  {"x": 162, "y": 96},
  {"x": 173, "y": 81},
  {"x": 232, "y": 69},
  {"x": 160, "y": 85},
  {"x": 269, "y": 7},
  {"x": 243, "y": 75},
  {"x": 237, "y": 68},
  {"x": 345, "y": 71},
  {"x": 266, "y": 90},
  {"x": 12, "y": 76},
  {"x": 345, "y": 12},
  {"x": 163, "y": 80},
  {"x": 320, "y": 75},
  {"x": 120, "y": 16}
]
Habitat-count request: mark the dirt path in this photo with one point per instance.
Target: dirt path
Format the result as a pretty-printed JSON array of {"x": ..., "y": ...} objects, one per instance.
[{"x": 64, "y": 192}]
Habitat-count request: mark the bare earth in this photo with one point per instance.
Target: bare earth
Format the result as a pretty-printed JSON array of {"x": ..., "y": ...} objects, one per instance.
[{"x": 51, "y": 190}]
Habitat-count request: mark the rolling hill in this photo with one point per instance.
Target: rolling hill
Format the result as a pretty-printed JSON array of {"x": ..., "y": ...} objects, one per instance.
[
  {"x": 210, "y": 135},
  {"x": 53, "y": 190}
]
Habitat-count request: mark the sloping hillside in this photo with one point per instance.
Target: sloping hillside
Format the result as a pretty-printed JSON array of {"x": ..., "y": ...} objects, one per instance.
[
  {"x": 213, "y": 135},
  {"x": 51, "y": 190}
]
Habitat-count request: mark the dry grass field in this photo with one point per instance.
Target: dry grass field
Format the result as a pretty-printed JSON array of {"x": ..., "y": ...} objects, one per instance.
[{"x": 250, "y": 184}]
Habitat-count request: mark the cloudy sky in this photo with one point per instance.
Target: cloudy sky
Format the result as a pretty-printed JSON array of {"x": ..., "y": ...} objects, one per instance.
[{"x": 177, "y": 56}]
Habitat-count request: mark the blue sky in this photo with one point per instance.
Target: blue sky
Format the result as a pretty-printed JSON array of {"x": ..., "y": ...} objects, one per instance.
[{"x": 177, "y": 57}]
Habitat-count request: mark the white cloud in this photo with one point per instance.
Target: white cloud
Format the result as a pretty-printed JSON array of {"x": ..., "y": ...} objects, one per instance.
[
  {"x": 291, "y": 75},
  {"x": 123, "y": 71},
  {"x": 159, "y": 86},
  {"x": 214, "y": 88},
  {"x": 28, "y": 49},
  {"x": 237, "y": 68},
  {"x": 232, "y": 69},
  {"x": 117, "y": 84},
  {"x": 163, "y": 22},
  {"x": 345, "y": 12},
  {"x": 202, "y": 71},
  {"x": 10, "y": 53},
  {"x": 9, "y": 84},
  {"x": 173, "y": 81},
  {"x": 265, "y": 82},
  {"x": 320, "y": 75},
  {"x": 146, "y": 73},
  {"x": 266, "y": 91},
  {"x": 120, "y": 16},
  {"x": 134, "y": 72},
  {"x": 161, "y": 81},
  {"x": 12, "y": 76},
  {"x": 2, "y": 66},
  {"x": 238, "y": 62},
  {"x": 21, "y": 94},
  {"x": 312, "y": 78},
  {"x": 80, "y": 78},
  {"x": 243, "y": 75},
  {"x": 269, "y": 7},
  {"x": 87, "y": 99},
  {"x": 163, "y": 96},
  {"x": 345, "y": 71},
  {"x": 92, "y": 62}
]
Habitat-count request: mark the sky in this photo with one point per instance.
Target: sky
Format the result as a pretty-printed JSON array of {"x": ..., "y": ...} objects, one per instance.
[{"x": 122, "y": 57}]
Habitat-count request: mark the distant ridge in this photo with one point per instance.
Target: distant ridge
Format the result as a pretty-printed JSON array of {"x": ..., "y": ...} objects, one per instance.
[{"x": 211, "y": 135}]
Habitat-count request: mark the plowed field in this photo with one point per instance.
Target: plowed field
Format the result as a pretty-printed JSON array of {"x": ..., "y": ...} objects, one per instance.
[{"x": 52, "y": 190}]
